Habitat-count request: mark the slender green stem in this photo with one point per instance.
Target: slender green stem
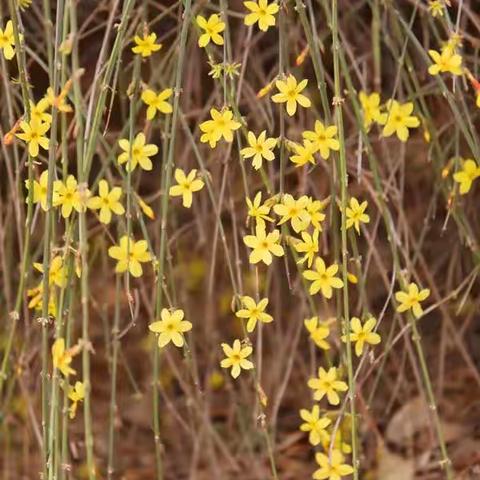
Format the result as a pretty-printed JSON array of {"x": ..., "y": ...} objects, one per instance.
[
  {"x": 166, "y": 181},
  {"x": 338, "y": 102},
  {"x": 21, "y": 64}
]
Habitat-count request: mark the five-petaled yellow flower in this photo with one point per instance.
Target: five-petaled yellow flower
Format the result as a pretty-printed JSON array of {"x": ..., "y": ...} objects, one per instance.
[
  {"x": 38, "y": 111},
  {"x": 323, "y": 138},
  {"x": 314, "y": 424},
  {"x": 171, "y": 327},
  {"x": 294, "y": 211},
  {"x": 445, "y": 61},
  {"x": 323, "y": 279},
  {"x": 70, "y": 196},
  {"x": 130, "y": 255},
  {"x": 7, "y": 41},
  {"x": 263, "y": 245},
  {"x": 308, "y": 246},
  {"x": 290, "y": 93},
  {"x": 107, "y": 201},
  {"x": 40, "y": 190},
  {"x": 258, "y": 211},
  {"x": 362, "y": 334},
  {"x": 146, "y": 46},
  {"x": 411, "y": 299},
  {"x": 259, "y": 148},
  {"x": 319, "y": 331},
  {"x": 140, "y": 153},
  {"x": 157, "y": 102},
  {"x": 465, "y": 177},
  {"x": 355, "y": 214},
  {"x": 327, "y": 383},
  {"x": 236, "y": 357},
  {"x": 332, "y": 466},
  {"x": 60, "y": 102},
  {"x": 57, "y": 274},
  {"x": 187, "y": 184},
  {"x": 76, "y": 394},
  {"x": 304, "y": 153},
  {"x": 315, "y": 211},
  {"x": 212, "y": 28},
  {"x": 62, "y": 358},
  {"x": 34, "y": 135},
  {"x": 261, "y": 12},
  {"x": 254, "y": 312},
  {"x": 398, "y": 119},
  {"x": 221, "y": 125},
  {"x": 370, "y": 108}
]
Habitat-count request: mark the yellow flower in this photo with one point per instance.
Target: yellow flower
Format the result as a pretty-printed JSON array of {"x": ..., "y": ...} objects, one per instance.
[
  {"x": 327, "y": 383},
  {"x": 146, "y": 208},
  {"x": 435, "y": 7},
  {"x": 314, "y": 424},
  {"x": 338, "y": 442},
  {"x": 108, "y": 201},
  {"x": 331, "y": 466},
  {"x": 171, "y": 327},
  {"x": 411, "y": 299},
  {"x": 40, "y": 190},
  {"x": 356, "y": 214},
  {"x": 293, "y": 210},
  {"x": 23, "y": 4},
  {"x": 266, "y": 89},
  {"x": 370, "y": 108},
  {"x": 146, "y": 46},
  {"x": 236, "y": 357},
  {"x": 262, "y": 12},
  {"x": 70, "y": 196},
  {"x": 157, "y": 102},
  {"x": 140, "y": 153},
  {"x": 318, "y": 332},
  {"x": 290, "y": 93},
  {"x": 7, "y": 41},
  {"x": 315, "y": 210},
  {"x": 254, "y": 312},
  {"x": 212, "y": 28},
  {"x": 258, "y": 211},
  {"x": 34, "y": 135},
  {"x": 308, "y": 246},
  {"x": 465, "y": 177},
  {"x": 187, "y": 184},
  {"x": 59, "y": 102},
  {"x": 362, "y": 334},
  {"x": 130, "y": 255},
  {"x": 263, "y": 245},
  {"x": 62, "y": 358},
  {"x": 323, "y": 138},
  {"x": 323, "y": 278},
  {"x": 76, "y": 394},
  {"x": 36, "y": 301},
  {"x": 221, "y": 125},
  {"x": 304, "y": 154},
  {"x": 56, "y": 273},
  {"x": 37, "y": 111},
  {"x": 446, "y": 61},
  {"x": 398, "y": 119},
  {"x": 259, "y": 148},
  {"x": 477, "y": 99}
]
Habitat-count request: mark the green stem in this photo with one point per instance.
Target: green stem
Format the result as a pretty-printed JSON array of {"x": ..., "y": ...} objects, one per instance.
[
  {"x": 338, "y": 101},
  {"x": 167, "y": 178}
]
